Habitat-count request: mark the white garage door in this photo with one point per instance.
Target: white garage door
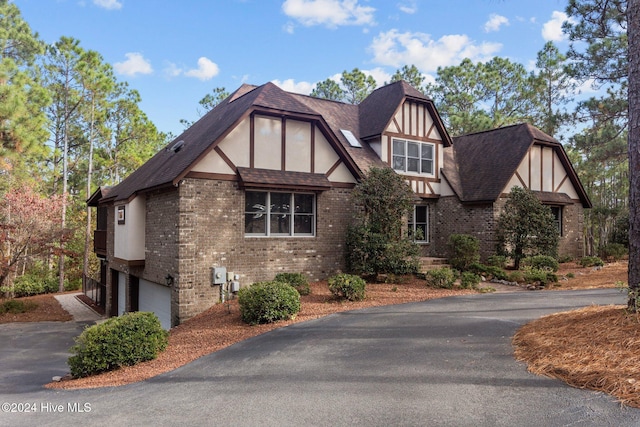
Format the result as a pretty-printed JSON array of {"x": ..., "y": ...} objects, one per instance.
[
  {"x": 122, "y": 292},
  {"x": 156, "y": 298}
]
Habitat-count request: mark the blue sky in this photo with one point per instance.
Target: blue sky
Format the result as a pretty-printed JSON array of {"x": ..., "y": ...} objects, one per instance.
[{"x": 176, "y": 51}]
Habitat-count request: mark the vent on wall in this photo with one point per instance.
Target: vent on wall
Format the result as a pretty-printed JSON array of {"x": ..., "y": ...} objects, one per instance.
[{"x": 353, "y": 141}]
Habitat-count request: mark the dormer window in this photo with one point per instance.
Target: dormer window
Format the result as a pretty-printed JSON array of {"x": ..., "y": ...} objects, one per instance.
[{"x": 412, "y": 156}]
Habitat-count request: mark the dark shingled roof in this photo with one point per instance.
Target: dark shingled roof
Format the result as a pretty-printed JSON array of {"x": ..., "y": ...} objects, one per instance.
[
  {"x": 171, "y": 164},
  {"x": 284, "y": 179},
  {"x": 479, "y": 165},
  {"x": 377, "y": 110}
]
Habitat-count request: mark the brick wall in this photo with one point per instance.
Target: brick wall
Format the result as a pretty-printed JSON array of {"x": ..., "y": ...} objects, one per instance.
[
  {"x": 211, "y": 233},
  {"x": 200, "y": 225},
  {"x": 572, "y": 240},
  {"x": 449, "y": 216}
]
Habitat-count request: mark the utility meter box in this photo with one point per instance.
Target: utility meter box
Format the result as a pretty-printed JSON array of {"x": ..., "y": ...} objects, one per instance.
[{"x": 219, "y": 275}]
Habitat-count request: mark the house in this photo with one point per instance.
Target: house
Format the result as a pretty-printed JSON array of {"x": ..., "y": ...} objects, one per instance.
[{"x": 262, "y": 184}]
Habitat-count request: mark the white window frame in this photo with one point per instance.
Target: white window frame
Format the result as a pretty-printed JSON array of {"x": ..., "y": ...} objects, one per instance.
[
  {"x": 292, "y": 214},
  {"x": 558, "y": 218},
  {"x": 422, "y": 148},
  {"x": 412, "y": 223}
]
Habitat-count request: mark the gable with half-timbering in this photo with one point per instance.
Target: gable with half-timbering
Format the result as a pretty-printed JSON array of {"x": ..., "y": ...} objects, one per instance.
[
  {"x": 413, "y": 147},
  {"x": 266, "y": 142}
]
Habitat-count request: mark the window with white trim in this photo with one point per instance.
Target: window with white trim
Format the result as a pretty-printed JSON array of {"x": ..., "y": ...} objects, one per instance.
[
  {"x": 557, "y": 217},
  {"x": 279, "y": 214},
  {"x": 418, "y": 226},
  {"x": 412, "y": 156}
]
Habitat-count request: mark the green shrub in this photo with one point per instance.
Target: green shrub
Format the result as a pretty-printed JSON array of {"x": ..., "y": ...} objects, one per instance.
[
  {"x": 443, "y": 277},
  {"x": 489, "y": 271},
  {"x": 613, "y": 251},
  {"x": 469, "y": 280},
  {"x": 515, "y": 276},
  {"x": 499, "y": 261},
  {"x": 268, "y": 302},
  {"x": 120, "y": 341},
  {"x": 297, "y": 280},
  {"x": 464, "y": 251},
  {"x": 542, "y": 262},
  {"x": 36, "y": 281},
  {"x": 15, "y": 307},
  {"x": 591, "y": 261},
  {"x": 565, "y": 258},
  {"x": 71, "y": 285},
  {"x": 26, "y": 286},
  {"x": 347, "y": 286},
  {"x": 537, "y": 275},
  {"x": 369, "y": 252}
]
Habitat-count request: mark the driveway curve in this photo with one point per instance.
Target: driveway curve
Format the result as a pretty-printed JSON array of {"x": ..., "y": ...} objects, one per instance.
[{"x": 445, "y": 362}]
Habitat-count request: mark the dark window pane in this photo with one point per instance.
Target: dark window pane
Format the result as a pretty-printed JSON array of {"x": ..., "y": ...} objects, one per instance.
[
  {"x": 279, "y": 224},
  {"x": 254, "y": 224},
  {"x": 413, "y": 149},
  {"x": 398, "y": 147},
  {"x": 427, "y": 166},
  {"x": 427, "y": 151},
  {"x": 281, "y": 202},
  {"x": 303, "y": 203},
  {"x": 255, "y": 202},
  {"x": 398, "y": 163},
  {"x": 412, "y": 165},
  {"x": 421, "y": 214},
  {"x": 303, "y": 224}
]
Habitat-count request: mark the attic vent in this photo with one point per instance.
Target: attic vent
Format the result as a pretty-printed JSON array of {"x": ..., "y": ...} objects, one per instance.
[
  {"x": 177, "y": 146},
  {"x": 353, "y": 141}
]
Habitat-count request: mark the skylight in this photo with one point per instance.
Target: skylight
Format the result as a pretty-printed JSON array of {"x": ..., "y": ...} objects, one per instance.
[{"x": 353, "y": 141}]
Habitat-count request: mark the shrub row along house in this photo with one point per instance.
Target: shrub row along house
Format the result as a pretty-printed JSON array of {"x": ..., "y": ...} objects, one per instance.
[{"x": 262, "y": 184}]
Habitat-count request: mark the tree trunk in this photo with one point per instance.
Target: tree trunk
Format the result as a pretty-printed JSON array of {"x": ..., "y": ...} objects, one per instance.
[
  {"x": 87, "y": 232},
  {"x": 633, "y": 33},
  {"x": 65, "y": 173}
]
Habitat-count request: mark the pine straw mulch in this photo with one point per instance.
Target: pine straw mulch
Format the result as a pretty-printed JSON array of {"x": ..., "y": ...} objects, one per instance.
[
  {"x": 220, "y": 326},
  {"x": 47, "y": 309},
  {"x": 596, "y": 347}
]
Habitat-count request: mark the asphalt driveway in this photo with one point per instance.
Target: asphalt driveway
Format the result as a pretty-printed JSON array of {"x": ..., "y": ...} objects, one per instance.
[{"x": 444, "y": 362}]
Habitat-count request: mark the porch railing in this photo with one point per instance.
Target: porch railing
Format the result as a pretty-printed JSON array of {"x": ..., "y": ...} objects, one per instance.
[{"x": 94, "y": 290}]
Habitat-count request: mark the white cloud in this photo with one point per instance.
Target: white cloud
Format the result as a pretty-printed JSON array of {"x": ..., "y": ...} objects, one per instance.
[
  {"x": 397, "y": 49},
  {"x": 172, "y": 70},
  {"x": 379, "y": 75},
  {"x": 552, "y": 29},
  {"x": 135, "y": 64},
  {"x": 108, "y": 4},
  {"x": 408, "y": 6},
  {"x": 495, "y": 22},
  {"x": 331, "y": 13},
  {"x": 290, "y": 85},
  {"x": 289, "y": 28},
  {"x": 206, "y": 70}
]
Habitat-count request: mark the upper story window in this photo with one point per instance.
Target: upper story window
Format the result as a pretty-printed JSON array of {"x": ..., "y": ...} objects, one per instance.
[
  {"x": 411, "y": 156},
  {"x": 279, "y": 214}
]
